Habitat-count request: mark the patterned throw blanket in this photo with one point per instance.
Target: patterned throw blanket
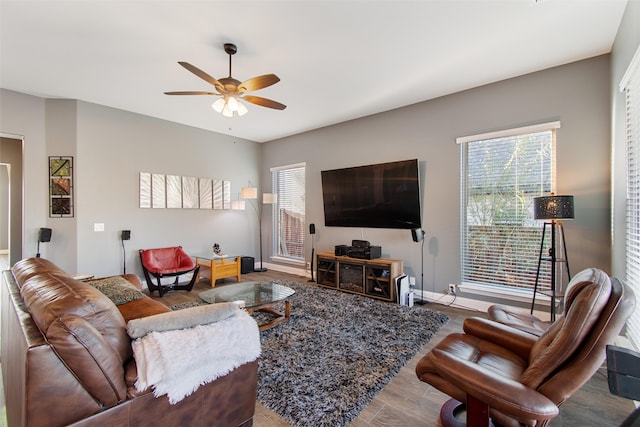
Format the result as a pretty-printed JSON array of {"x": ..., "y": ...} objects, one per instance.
[{"x": 177, "y": 362}]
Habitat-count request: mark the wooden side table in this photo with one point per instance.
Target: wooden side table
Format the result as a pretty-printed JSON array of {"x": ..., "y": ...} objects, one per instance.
[{"x": 218, "y": 267}]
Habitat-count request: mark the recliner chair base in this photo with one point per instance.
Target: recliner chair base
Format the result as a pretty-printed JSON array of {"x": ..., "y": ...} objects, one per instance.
[{"x": 453, "y": 411}]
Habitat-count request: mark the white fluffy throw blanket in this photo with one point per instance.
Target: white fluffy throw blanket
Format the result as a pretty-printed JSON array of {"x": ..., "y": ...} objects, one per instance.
[{"x": 177, "y": 362}]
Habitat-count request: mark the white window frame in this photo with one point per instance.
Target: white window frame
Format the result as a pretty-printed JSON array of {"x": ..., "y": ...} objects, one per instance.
[
  {"x": 278, "y": 211},
  {"x": 512, "y": 291},
  {"x": 630, "y": 85}
]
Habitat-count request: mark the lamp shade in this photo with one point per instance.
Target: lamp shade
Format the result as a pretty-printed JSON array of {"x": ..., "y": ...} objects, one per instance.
[
  {"x": 249, "y": 193},
  {"x": 269, "y": 198},
  {"x": 553, "y": 207}
]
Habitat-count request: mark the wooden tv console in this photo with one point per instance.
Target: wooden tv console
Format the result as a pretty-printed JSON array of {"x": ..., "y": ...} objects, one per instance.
[{"x": 371, "y": 277}]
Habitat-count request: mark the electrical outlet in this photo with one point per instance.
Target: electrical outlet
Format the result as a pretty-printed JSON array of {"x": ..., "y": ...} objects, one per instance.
[{"x": 452, "y": 289}]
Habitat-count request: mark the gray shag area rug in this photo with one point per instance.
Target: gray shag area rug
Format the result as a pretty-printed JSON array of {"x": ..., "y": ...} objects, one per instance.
[{"x": 336, "y": 352}]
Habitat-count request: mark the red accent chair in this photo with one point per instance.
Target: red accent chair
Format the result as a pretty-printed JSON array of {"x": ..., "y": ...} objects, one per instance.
[
  {"x": 167, "y": 262},
  {"x": 517, "y": 378}
]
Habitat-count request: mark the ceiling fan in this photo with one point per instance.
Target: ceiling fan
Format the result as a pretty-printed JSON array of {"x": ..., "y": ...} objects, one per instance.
[{"x": 231, "y": 90}]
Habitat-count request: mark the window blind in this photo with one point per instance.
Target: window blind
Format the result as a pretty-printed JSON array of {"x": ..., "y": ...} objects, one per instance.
[
  {"x": 501, "y": 174},
  {"x": 631, "y": 86},
  {"x": 289, "y": 212}
]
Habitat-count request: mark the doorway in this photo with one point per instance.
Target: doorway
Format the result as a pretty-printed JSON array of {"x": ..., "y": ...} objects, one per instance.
[{"x": 11, "y": 178}]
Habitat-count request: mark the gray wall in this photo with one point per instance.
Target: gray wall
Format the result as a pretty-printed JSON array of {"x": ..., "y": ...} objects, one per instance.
[
  {"x": 60, "y": 129},
  {"x": 577, "y": 94},
  {"x": 114, "y": 146},
  {"x": 626, "y": 44},
  {"x": 24, "y": 115},
  {"x": 110, "y": 148}
]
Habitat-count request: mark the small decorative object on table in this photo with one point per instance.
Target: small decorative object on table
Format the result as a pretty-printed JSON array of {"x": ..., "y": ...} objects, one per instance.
[{"x": 216, "y": 250}]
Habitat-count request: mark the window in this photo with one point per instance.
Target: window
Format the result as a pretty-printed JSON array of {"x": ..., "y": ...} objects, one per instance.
[
  {"x": 501, "y": 174},
  {"x": 631, "y": 86},
  {"x": 289, "y": 212}
]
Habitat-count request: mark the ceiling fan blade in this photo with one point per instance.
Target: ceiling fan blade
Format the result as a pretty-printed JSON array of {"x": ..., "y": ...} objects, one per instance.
[
  {"x": 259, "y": 82},
  {"x": 264, "y": 102},
  {"x": 204, "y": 76},
  {"x": 191, "y": 92}
]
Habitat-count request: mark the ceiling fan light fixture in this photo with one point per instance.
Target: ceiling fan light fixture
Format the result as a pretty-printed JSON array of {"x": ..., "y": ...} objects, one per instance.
[
  {"x": 242, "y": 110},
  {"x": 232, "y": 103},
  {"x": 218, "y": 105},
  {"x": 226, "y": 111}
]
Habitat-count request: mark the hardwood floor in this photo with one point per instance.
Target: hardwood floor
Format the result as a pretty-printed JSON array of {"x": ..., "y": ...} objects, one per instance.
[{"x": 406, "y": 401}]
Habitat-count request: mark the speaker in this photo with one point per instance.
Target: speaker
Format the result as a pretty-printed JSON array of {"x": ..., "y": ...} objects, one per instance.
[
  {"x": 247, "y": 264},
  {"x": 312, "y": 229},
  {"x": 126, "y": 234},
  {"x": 623, "y": 372},
  {"x": 417, "y": 234},
  {"x": 44, "y": 235}
]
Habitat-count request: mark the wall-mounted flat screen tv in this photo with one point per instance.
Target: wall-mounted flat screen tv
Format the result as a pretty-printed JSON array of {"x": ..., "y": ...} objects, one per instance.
[{"x": 385, "y": 195}]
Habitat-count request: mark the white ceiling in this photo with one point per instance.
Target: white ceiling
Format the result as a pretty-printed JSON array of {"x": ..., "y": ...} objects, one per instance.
[{"x": 337, "y": 60}]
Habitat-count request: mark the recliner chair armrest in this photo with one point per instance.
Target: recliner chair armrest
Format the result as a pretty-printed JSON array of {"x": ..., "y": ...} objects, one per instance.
[
  {"x": 501, "y": 393},
  {"x": 518, "y": 341}
]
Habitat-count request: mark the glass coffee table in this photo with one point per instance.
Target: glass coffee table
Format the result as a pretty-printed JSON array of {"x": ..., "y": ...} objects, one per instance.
[{"x": 254, "y": 296}]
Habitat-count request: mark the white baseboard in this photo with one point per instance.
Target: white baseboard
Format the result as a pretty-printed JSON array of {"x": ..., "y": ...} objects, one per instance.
[
  {"x": 458, "y": 301},
  {"x": 285, "y": 269}
]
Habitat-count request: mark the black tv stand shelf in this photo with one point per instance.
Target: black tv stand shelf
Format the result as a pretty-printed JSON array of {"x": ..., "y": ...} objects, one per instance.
[{"x": 369, "y": 277}]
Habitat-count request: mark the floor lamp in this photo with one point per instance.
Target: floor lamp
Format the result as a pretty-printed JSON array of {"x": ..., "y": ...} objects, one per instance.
[
  {"x": 251, "y": 193},
  {"x": 552, "y": 209},
  {"x": 418, "y": 236}
]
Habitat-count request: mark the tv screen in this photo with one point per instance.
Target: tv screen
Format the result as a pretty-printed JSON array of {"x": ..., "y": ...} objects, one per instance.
[{"x": 385, "y": 195}]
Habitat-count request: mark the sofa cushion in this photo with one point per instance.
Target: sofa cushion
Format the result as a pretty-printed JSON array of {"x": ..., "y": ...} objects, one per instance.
[
  {"x": 181, "y": 319},
  {"x": 94, "y": 363},
  {"x": 49, "y": 296},
  {"x": 117, "y": 289},
  {"x": 25, "y": 269}
]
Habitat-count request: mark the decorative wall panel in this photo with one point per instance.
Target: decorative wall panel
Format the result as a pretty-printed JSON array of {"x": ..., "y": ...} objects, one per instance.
[{"x": 183, "y": 192}]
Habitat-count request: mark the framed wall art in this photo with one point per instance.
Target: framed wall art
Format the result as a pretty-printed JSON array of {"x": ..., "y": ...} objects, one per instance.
[{"x": 61, "y": 186}]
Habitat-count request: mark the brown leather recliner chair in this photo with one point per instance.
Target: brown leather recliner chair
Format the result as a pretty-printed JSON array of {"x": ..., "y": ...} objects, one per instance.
[
  {"x": 516, "y": 378},
  {"x": 526, "y": 321},
  {"x": 167, "y": 262}
]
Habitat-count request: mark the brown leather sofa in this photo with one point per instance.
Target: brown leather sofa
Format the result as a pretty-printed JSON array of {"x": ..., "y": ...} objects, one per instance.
[{"x": 67, "y": 360}]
